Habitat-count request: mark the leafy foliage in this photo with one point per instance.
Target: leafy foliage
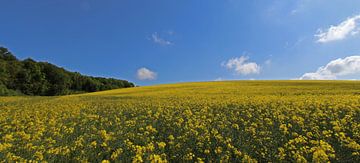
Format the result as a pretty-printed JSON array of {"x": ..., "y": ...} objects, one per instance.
[
  {"x": 247, "y": 121},
  {"x": 41, "y": 78},
  {"x": 8, "y": 92}
]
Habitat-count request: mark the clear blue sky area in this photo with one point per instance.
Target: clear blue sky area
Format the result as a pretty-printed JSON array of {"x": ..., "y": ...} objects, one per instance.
[{"x": 165, "y": 41}]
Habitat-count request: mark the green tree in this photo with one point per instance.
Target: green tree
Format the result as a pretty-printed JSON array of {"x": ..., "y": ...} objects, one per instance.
[
  {"x": 41, "y": 78},
  {"x": 31, "y": 80},
  {"x": 58, "y": 79},
  {"x": 6, "y": 55}
]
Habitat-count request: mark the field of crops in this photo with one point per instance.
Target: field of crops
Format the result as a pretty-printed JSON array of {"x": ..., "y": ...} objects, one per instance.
[{"x": 229, "y": 121}]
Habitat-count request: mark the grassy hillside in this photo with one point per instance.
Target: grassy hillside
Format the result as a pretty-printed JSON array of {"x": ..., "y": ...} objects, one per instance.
[{"x": 205, "y": 121}]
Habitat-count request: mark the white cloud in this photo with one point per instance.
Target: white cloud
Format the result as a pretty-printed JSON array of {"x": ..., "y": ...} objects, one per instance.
[
  {"x": 341, "y": 31},
  {"x": 170, "y": 32},
  {"x": 155, "y": 37},
  {"x": 334, "y": 69},
  {"x": 294, "y": 11},
  {"x": 146, "y": 74},
  {"x": 268, "y": 62},
  {"x": 219, "y": 79},
  {"x": 241, "y": 66}
]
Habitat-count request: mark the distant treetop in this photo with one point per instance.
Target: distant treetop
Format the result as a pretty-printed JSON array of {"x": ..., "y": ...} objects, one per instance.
[{"x": 45, "y": 79}]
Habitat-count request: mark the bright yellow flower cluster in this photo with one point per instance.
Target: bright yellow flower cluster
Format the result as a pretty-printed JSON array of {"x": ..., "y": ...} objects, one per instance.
[{"x": 234, "y": 121}]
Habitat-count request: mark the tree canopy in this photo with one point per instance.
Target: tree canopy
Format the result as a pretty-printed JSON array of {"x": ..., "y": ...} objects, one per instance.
[{"x": 45, "y": 79}]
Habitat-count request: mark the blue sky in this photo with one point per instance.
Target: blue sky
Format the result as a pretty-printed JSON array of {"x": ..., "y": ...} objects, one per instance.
[{"x": 166, "y": 41}]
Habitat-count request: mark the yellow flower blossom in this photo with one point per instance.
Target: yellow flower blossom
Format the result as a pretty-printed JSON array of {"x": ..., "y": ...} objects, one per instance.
[
  {"x": 162, "y": 145},
  {"x": 232, "y": 121}
]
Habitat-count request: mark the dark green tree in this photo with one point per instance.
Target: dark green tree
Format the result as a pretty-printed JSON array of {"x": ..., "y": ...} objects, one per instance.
[
  {"x": 42, "y": 78},
  {"x": 31, "y": 80},
  {"x": 58, "y": 79}
]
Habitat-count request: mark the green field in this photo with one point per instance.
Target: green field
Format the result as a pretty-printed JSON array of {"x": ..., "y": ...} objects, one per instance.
[{"x": 231, "y": 121}]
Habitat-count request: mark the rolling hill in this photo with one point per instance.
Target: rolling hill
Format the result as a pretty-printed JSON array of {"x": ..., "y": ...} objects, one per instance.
[{"x": 231, "y": 121}]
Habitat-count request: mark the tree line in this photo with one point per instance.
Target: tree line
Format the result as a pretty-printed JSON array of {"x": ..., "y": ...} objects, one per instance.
[{"x": 29, "y": 77}]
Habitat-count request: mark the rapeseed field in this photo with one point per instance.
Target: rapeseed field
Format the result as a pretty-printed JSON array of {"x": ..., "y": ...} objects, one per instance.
[{"x": 230, "y": 121}]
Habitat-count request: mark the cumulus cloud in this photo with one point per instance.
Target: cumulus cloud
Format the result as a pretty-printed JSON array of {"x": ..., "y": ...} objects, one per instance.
[
  {"x": 155, "y": 37},
  {"x": 334, "y": 69},
  {"x": 268, "y": 62},
  {"x": 241, "y": 66},
  {"x": 219, "y": 79},
  {"x": 146, "y": 74},
  {"x": 349, "y": 27}
]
